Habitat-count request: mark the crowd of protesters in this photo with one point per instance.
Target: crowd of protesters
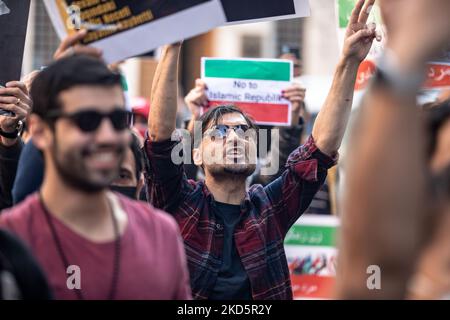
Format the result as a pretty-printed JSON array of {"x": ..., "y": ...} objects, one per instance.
[{"x": 95, "y": 206}]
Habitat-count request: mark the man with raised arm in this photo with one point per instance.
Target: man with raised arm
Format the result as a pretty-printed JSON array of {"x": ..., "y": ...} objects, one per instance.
[{"x": 233, "y": 236}]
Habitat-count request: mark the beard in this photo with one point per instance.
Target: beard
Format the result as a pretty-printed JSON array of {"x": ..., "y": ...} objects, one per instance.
[
  {"x": 228, "y": 170},
  {"x": 240, "y": 169},
  {"x": 71, "y": 168},
  {"x": 221, "y": 163}
]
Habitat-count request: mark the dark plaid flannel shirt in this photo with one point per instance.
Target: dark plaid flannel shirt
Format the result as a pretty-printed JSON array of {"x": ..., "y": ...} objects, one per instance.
[{"x": 267, "y": 213}]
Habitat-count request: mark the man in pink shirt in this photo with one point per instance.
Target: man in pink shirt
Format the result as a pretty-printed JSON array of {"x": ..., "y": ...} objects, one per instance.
[{"x": 90, "y": 242}]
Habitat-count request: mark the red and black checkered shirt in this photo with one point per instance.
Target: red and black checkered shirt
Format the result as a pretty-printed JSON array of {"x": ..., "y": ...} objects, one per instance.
[{"x": 267, "y": 213}]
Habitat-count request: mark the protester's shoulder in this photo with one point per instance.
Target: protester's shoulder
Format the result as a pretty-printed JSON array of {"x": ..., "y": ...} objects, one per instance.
[
  {"x": 145, "y": 213},
  {"x": 11, "y": 245},
  {"x": 18, "y": 215}
]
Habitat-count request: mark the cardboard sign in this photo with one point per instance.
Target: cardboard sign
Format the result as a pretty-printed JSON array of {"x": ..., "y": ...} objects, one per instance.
[
  {"x": 244, "y": 11},
  {"x": 124, "y": 29},
  {"x": 13, "y": 29},
  {"x": 311, "y": 252},
  {"x": 253, "y": 85}
]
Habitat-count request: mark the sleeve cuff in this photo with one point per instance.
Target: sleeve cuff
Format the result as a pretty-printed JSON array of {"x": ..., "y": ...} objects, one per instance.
[
  {"x": 325, "y": 160},
  {"x": 307, "y": 160},
  {"x": 159, "y": 148}
]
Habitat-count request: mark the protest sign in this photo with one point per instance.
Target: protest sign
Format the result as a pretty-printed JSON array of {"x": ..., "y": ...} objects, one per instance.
[
  {"x": 123, "y": 29},
  {"x": 13, "y": 29},
  {"x": 438, "y": 73},
  {"x": 311, "y": 252},
  {"x": 437, "y": 77},
  {"x": 253, "y": 85},
  {"x": 244, "y": 11}
]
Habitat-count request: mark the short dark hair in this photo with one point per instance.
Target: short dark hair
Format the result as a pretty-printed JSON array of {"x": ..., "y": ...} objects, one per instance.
[
  {"x": 64, "y": 74},
  {"x": 137, "y": 153},
  {"x": 213, "y": 115},
  {"x": 436, "y": 116}
]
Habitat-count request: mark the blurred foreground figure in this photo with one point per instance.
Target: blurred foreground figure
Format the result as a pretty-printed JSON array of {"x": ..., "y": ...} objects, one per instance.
[
  {"x": 393, "y": 222},
  {"x": 20, "y": 276}
]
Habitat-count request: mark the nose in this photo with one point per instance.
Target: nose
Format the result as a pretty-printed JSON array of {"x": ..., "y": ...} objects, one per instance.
[
  {"x": 106, "y": 134},
  {"x": 232, "y": 135}
]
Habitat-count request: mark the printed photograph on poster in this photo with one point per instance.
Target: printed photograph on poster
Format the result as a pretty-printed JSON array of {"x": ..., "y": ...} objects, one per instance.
[
  {"x": 123, "y": 29},
  {"x": 311, "y": 252},
  {"x": 253, "y": 85},
  {"x": 13, "y": 29},
  {"x": 246, "y": 11}
]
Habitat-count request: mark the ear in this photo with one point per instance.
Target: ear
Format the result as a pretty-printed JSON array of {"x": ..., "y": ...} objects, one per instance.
[
  {"x": 197, "y": 156},
  {"x": 41, "y": 133}
]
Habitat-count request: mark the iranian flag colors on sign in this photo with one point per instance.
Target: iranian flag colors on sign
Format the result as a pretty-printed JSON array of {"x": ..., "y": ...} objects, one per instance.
[
  {"x": 311, "y": 252},
  {"x": 438, "y": 72},
  {"x": 253, "y": 85}
]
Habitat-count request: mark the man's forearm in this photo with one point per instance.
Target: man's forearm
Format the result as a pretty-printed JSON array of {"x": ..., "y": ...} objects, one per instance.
[
  {"x": 162, "y": 120},
  {"x": 329, "y": 127}
]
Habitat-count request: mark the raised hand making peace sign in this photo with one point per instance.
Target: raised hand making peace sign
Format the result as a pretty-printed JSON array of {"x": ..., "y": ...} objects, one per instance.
[{"x": 360, "y": 35}]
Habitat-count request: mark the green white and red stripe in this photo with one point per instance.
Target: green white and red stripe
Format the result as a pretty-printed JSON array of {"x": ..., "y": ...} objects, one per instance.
[{"x": 253, "y": 85}]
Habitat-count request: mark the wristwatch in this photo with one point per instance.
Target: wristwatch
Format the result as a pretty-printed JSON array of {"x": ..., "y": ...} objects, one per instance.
[
  {"x": 14, "y": 134},
  {"x": 388, "y": 74}
]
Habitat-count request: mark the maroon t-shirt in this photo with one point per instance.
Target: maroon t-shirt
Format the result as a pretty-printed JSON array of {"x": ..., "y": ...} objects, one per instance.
[{"x": 152, "y": 260}]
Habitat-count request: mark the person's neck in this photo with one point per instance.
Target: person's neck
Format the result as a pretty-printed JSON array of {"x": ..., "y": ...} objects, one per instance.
[
  {"x": 228, "y": 189},
  {"x": 89, "y": 214}
]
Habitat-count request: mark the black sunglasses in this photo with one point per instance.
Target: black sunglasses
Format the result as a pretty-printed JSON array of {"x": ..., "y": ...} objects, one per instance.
[
  {"x": 90, "y": 120},
  {"x": 223, "y": 130}
]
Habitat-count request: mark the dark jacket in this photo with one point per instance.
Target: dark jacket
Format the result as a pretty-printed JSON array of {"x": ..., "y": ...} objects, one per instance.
[
  {"x": 30, "y": 173},
  {"x": 9, "y": 159},
  {"x": 20, "y": 275}
]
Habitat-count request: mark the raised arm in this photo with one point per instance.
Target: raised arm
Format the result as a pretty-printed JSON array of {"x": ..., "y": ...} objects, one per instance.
[
  {"x": 162, "y": 120},
  {"x": 329, "y": 127},
  {"x": 166, "y": 181}
]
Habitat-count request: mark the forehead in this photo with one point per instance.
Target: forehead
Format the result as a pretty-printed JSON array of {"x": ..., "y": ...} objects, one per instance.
[
  {"x": 232, "y": 119},
  {"x": 101, "y": 98}
]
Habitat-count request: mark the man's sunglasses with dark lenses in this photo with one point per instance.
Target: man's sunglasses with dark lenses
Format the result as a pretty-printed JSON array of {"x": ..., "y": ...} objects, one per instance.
[
  {"x": 90, "y": 120},
  {"x": 222, "y": 130}
]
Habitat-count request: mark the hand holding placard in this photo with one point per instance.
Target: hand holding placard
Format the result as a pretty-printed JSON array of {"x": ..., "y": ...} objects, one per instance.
[
  {"x": 296, "y": 95},
  {"x": 197, "y": 99},
  {"x": 70, "y": 46},
  {"x": 15, "y": 99}
]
